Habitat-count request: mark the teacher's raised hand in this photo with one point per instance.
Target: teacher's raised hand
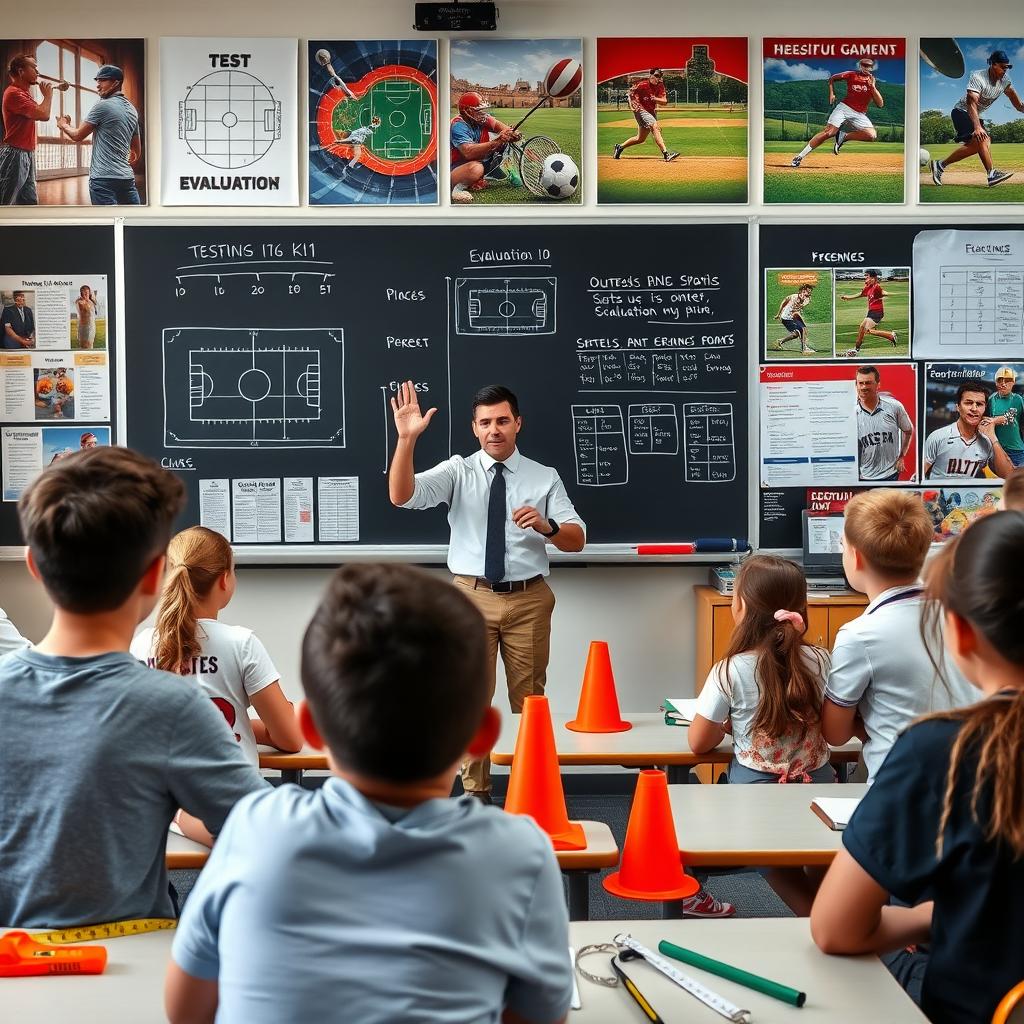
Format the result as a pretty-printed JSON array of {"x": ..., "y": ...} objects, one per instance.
[{"x": 410, "y": 422}]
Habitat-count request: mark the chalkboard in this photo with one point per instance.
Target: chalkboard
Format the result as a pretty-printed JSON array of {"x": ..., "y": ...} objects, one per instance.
[
  {"x": 261, "y": 360},
  {"x": 50, "y": 263}
]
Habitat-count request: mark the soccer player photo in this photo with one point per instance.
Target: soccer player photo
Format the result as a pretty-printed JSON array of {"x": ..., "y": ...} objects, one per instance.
[
  {"x": 516, "y": 123},
  {"x": 972, "y": 121},
  {"x": 872, "y": 312},
  {"x": 373, "y": 122},
  {"x": 972, "y": 421},
  {"x": 672, "y": 120},
  {"x": 73, "y": 132},
  {"x": 798, "y": 314},
  {"x": 834, "y": 120}
]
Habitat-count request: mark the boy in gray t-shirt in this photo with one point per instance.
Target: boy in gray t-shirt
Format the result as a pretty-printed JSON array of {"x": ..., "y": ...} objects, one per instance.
[
  {"x": 377, "y": 898},
  {"x": 99, "y": 751}
]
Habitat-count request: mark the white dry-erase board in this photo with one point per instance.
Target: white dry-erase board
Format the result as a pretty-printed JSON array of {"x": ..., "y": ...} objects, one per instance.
[{"x": 261, "y": 359}]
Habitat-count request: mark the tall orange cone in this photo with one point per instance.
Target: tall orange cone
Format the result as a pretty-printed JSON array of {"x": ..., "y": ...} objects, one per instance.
[
  {"x": 535, "y": 783},
  {"x": 651, "y": 868},
  {"x": 598, "y": 710}
]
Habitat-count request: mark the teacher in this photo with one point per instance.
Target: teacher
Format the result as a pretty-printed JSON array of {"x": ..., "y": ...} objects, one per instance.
[{"x": 503, "y": 509}]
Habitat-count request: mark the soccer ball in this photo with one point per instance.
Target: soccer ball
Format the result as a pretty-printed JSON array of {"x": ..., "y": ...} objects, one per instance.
[
  {"x": 925, "y": 157},
  {"x": 559, "y": 177},
  {"x": 851, "y": 353}
]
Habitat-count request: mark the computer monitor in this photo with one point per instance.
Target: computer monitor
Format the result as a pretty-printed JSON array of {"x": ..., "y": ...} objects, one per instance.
[{"x": 823, "y": 551}]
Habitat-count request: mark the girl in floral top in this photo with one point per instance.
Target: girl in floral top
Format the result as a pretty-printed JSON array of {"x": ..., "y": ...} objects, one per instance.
[{"x": 768, "y": 692}]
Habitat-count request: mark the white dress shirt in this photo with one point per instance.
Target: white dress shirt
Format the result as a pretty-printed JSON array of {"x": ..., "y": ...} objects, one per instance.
[{"x": 464, "y": 485}]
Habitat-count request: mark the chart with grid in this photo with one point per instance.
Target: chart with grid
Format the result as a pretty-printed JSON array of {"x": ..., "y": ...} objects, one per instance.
[
  {"x": 229, "y": 119},
  {"x": 253, "y": 387}
]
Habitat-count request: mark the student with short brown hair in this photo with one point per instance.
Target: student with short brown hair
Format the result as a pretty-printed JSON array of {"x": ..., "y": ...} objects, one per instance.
[
  {"x": 882, "y": 676},
  {"x": 115, "y": 747},
  {"x": 1013, "y": 492},
  {"x": 942, "y": 828}
]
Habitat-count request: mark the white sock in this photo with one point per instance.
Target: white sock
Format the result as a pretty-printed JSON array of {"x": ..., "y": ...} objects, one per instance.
[{"x": 803, "y": 152}]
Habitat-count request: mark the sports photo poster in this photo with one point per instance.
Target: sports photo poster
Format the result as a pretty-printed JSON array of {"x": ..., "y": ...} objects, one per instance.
[
  {"x": 672, "y": 120},
  {"x": 834, "y": 120},
  {"x": 91, "y": 150},
  {"x": 958, "y": 165},
  {"x": 953, "y": 509},
  {"x": 837, "y": 313},
  {"x": 964, "y": 405},
  {"x": 229, "y": 121},
  {"x": 372, "y": 122},
  {"x": 521, "y": 99},
  {"x": 838, "y": 424}
]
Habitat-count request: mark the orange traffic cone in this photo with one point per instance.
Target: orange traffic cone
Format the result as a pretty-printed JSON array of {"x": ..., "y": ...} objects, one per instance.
[
  {"x": 651, "y": 868},
  {"x": 535, "y": 783},
  {"x": 599, "y": 706}
]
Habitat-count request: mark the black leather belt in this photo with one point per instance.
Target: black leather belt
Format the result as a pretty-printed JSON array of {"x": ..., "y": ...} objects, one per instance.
[{"x": 504, "y": 586}]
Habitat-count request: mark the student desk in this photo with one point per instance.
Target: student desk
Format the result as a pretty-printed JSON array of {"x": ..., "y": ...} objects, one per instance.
[
  {"x": 756, "y": 825},
  {"x": 601, "y": 851},
  {"x": 840, "y": 989},
  {"x": 291, "y": 766},
  {"x": 649, "y": 742}
]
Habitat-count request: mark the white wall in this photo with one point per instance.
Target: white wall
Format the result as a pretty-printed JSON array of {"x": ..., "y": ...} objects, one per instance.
[{"x": 645, "y": 613}]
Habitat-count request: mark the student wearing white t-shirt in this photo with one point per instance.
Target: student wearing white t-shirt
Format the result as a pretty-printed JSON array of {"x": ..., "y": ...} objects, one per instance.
[
  {"x": 767, "y": 691},
  {"x": 882, "y": 675},
  {"x": 228, "y": 662},
  {"x": 10, "y": 638}
]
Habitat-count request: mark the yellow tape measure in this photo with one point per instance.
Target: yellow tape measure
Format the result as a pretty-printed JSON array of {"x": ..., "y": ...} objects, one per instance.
[{"x": 90, "y": 932}]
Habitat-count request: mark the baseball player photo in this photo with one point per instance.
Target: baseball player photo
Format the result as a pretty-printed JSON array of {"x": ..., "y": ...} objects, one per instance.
[
  {"x": 645, "y": 97},
  {"x": 790, "y": 314},
  {"x": 875, "y": 294},
  {"x": 968, "y": 447},
  {"x": 884, "y": 430}
]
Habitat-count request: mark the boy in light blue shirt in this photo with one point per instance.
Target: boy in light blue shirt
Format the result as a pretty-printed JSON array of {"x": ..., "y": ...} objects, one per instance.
[{"x": 376, "y": 898}]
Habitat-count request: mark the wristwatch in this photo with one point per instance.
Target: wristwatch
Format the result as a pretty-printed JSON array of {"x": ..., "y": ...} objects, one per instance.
[{"x": 554, "y": 528}]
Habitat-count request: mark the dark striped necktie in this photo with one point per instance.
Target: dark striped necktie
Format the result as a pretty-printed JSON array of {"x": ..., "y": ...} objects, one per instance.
[{"x": 494, "y": 551}]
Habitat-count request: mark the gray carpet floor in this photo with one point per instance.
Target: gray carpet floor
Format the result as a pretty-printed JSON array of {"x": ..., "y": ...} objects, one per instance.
[{"x": 750, "y": 893}]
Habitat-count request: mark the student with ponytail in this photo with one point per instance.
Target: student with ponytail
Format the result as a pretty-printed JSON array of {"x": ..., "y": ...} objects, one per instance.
[
  {"x": 228, "y": 662},
  {"x": 767, "y": 692},
  {"x": 942, "y": 828}
]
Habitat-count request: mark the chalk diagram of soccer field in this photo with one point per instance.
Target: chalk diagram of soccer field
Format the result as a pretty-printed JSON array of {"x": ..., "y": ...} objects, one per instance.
[
  {"x": 505, "y": 305},
  {"x": 228, "y": 387},
  {"x": 390, "y": 90},
  {"x": 229, "y": 119}
]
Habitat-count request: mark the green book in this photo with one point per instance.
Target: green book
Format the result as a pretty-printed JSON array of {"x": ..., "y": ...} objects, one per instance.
[{"x": 679, "y": 710}]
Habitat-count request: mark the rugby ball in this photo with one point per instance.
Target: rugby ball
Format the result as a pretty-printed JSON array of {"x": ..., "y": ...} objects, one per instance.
[
  {"x": 924, "y": 157},
  {"x": 559, "y": 176}
]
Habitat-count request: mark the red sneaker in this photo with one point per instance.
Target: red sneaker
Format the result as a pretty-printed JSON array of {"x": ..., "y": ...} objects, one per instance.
[{"x": 703, "y": 904}]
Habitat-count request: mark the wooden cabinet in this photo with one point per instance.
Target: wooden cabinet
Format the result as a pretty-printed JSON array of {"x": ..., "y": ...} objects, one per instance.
[{"x": 714, "y": 624}]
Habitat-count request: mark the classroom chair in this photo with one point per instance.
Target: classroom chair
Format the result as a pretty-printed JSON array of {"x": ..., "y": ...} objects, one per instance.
[{"x": 1011, "y": 1008}]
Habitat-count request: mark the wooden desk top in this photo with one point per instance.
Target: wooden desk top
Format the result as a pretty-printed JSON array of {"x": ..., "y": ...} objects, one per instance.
[
  {"x": 840, "y": 989},
  {"x": 650, "y": 741},
  {"x": 184, "y": 853},
  {"x": 308, "y": 759},
  {"x": 762, "y": 825}
]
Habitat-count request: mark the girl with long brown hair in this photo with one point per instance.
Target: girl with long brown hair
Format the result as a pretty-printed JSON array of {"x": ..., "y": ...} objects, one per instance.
[
  {"x": 228, "y": 662},
  {"x": 941, "y": 830}
]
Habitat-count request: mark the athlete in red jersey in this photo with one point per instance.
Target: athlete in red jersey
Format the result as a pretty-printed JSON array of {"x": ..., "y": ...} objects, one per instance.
[
  {"x": 645, "y": 97},
  {"x": 874, "y": 293},
  {"x": 18, "y": 148},
  {"x": 849, "y": 121},
  {"x": 478, "y": 143}
]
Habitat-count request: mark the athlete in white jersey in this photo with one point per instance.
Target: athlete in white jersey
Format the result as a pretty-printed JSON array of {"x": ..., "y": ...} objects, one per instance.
[
  {"x": 984, "y": 87},
  {"x": 884, "y": 430},
  {"x": 966, "y": 448},
  {"x": 356, "y": 138},
  {"x": 791, "y": 314}
]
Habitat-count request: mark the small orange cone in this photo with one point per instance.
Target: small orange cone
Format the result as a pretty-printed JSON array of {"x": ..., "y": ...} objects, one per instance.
[
  {"x": 651, "y": 868},
  {"x": 535, "y": 783},
  {"x": 599, "y": 706}
]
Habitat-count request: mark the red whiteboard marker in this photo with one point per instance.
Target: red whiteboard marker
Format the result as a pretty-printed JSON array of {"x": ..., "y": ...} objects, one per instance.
[{"x": 665, "y": 549}]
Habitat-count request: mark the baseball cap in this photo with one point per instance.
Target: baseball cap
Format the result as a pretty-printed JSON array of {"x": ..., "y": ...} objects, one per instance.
[
  {"x": 1006, "y": 371},
  {"x": 657, "y": 71},
  {"x": 110, "y": 71},
  {"x": 867, "y": 64},
  {"x": 1000, "y": 57}
]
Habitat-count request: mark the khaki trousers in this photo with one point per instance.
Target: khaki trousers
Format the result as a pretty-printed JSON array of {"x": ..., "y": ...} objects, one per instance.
[{"x": 519, "y": 626}]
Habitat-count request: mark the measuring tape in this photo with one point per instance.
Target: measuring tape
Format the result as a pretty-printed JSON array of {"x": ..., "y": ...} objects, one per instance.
[
  {"x": 88, "y": 932},
  {"x": 684, "y": 981}
]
